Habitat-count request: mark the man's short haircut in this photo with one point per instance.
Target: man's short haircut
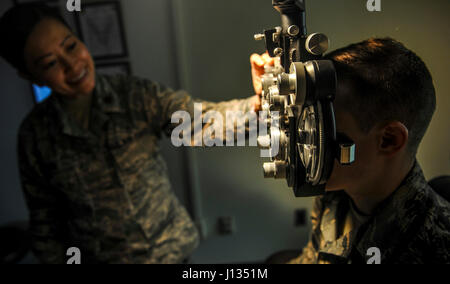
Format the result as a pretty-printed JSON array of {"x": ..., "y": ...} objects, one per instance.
[
  {"x": 388, "y": 82},
  {"x": 16, "y": 26}
]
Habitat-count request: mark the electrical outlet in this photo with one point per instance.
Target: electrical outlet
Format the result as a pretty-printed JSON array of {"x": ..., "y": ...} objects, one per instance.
[{"x": 226, "y": 225}]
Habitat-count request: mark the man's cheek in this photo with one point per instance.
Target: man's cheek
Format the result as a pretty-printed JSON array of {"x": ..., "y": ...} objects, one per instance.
[
  {"x": 335, "y": 182},
  {"x": 363, "y": 155}
]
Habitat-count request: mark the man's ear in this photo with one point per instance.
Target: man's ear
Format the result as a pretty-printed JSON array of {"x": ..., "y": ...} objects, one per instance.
[{"x": 394, "y": 138}]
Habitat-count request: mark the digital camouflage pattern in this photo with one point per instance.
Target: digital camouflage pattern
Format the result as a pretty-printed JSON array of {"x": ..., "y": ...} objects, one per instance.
[
  {"x": 106, "y": 190},
  {"x": 412, "y": 226}
]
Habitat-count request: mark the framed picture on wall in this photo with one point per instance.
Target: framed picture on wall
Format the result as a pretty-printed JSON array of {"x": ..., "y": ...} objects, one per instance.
[
  {"x": 101, "y": 28},
  {"x": 113, "y": 68}
]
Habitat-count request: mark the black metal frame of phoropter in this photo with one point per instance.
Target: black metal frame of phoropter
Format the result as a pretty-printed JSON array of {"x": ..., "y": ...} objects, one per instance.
[
  {"x": 320, "y": 88},
  {"x": 293, "y": 13}
]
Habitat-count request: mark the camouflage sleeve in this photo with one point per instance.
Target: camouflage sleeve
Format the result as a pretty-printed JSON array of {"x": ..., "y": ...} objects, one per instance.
[
  {"x": 42, "y": 205},
  {"x": 309, "y": 253},
  {"x": 238, "y": 112},
  {"x": 169, "y": 102}
]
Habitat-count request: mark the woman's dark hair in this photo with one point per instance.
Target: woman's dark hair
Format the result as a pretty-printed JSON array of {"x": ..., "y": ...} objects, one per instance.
[{"x": 16, "y": 26}]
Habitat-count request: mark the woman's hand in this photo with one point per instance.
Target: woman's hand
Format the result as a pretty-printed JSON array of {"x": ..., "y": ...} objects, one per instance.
[{"x": 258, "y": 62}]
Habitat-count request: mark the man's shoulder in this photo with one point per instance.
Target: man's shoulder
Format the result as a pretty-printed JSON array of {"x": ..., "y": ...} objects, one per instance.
[
  {"x": 423, "y": 219},
  {"x": 436, "y": 226},
  {"x": 423, "y": 201},
  {"x": 417, "y": 207},
  {"x": 430, "y": 236}
]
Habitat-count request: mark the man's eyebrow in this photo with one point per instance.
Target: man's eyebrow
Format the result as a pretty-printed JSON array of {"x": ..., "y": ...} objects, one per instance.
[{"x": 50, "y": 54}]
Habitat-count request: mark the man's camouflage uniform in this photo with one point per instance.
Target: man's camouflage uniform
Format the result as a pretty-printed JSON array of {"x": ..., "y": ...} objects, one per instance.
[
  {"x": 411, "y": 226},
  {"x": 106, "y": 190}
]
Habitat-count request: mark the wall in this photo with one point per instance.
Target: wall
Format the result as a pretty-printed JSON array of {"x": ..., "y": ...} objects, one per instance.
[{"x": 15, "y": 102}]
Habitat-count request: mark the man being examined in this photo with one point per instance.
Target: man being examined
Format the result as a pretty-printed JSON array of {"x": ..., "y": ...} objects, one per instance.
[{"x": 385, "y": 102}]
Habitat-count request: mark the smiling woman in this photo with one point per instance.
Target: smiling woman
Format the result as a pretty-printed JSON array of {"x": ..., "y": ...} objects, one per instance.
[
  {"x": 56, "y": 58},
  {"x": 46, "y": 52}
]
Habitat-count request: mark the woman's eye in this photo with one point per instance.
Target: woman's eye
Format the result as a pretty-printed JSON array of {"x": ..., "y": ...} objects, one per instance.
[
  {"x": 72, "y": 46},
  {"x": 50, "y": 65}
]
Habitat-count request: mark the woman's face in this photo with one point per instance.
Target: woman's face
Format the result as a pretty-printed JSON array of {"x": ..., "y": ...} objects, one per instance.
[{"x": 56, "y": 58}]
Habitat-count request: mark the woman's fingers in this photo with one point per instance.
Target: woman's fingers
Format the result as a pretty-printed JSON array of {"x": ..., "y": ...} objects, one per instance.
[
  {"x": 267, "y": 59},
  {"x": 257, "y": 60}
]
